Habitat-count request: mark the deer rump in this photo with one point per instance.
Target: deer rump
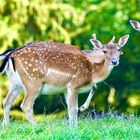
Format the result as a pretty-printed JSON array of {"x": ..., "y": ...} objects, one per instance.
[{"x": 54, "y": 66}]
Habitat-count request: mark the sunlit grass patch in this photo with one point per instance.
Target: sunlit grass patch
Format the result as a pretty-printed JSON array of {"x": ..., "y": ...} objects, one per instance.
[{"x": 108, "y": 127}]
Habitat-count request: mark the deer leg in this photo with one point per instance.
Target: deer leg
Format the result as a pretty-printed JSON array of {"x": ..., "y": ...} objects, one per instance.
[
  {"x": 87, "y": 103},
  {"x": 66, "y": 97},
  {"x": 7, "y": 104},
  {"x": 27, "y": 104},
  {"x": 72, "y": 103}
]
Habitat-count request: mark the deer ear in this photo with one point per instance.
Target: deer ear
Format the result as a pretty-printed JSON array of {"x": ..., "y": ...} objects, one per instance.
[
  {"x": 123, "y": 40},
  {"x": 135, "y": 24},
  {"x": 96, "y": 43}
]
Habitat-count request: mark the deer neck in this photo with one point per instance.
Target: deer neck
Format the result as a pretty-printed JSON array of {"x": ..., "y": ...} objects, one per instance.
[{"x": 101, "y": 70}]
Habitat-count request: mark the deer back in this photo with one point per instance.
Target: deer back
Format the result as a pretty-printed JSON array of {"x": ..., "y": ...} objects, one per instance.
[{"x": 56, "y": 65}]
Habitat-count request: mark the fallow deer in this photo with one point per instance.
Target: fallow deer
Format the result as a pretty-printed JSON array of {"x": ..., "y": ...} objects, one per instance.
[
  {"x": 135, "y": 24},
  {"x": 65, "y": 68}
]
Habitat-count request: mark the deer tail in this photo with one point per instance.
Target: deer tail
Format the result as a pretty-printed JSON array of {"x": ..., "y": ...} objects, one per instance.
[
  {"x": 4, "y": 54},
  {"x": 5, "y": 58}
]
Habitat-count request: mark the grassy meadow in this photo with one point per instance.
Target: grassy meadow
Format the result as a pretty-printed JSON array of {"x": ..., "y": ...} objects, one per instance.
[{"x": 110, "y": 127}]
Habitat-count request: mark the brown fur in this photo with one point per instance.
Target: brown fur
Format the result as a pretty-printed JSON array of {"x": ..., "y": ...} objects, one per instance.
[{"x": 36, "y": 62}]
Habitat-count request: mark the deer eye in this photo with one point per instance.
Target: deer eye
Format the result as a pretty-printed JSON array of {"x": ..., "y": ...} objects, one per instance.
[{"x": 119, "y": 50}]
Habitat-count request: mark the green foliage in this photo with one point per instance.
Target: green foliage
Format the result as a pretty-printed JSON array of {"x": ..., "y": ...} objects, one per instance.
[
  {"x": 74, "y": 22},
  {"x": 111, "y": 127}
]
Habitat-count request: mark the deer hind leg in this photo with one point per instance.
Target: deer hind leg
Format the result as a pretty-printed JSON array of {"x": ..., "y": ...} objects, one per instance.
[
  {"x": 27, "y": 104},
  {"x": 72, "y": 103},
  {"x": 87, "y": 103},
  {"x": 7, "y": 104}
]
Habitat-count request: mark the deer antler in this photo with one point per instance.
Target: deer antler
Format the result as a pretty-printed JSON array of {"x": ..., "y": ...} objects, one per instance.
[
  {"x": 112, "y": 40},
  {"x": 94, "y": 36}
]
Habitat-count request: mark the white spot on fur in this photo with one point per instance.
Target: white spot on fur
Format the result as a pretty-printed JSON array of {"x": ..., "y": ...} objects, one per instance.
[{"x": 30, "y": 65}]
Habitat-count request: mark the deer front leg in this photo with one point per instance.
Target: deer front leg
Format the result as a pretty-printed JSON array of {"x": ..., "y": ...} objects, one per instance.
[
  {"x": 27, "y": 104},
  {"x": 72, "y": 103},
  {"x": 87, "y": 103}
]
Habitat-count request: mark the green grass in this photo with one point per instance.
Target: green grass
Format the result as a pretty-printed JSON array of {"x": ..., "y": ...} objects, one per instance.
[{"x": 106, "y": 128}]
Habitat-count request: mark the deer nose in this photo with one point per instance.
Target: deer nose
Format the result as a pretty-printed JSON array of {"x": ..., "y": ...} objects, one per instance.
[{"x": 114, "y": 62}]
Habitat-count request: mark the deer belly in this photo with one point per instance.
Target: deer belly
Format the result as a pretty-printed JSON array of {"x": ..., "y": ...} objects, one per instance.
[
  {"x": 85, "y": 89},
  {"x": 57, "y": 78},
  {"x": 52, "y": 90}
]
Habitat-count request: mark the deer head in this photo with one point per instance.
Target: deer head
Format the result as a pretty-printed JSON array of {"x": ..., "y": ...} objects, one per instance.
[
  {"x": 112, "y": 51},
  {"x": 135, "y": 24}
]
